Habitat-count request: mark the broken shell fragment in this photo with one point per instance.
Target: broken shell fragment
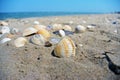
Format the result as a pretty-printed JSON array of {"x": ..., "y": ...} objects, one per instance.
[
  {"x": 80, "y": 29},
  {"x": 45, "y": 33},
  {"x": 65, "y": 48},
  {"x": 29, "y": 31},
  {"x": 20, "y": 42},
  {"x": 38, "y": 39}
]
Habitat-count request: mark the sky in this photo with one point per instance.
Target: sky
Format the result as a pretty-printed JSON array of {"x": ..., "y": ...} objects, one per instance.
[{"x": 59, "y": 5}]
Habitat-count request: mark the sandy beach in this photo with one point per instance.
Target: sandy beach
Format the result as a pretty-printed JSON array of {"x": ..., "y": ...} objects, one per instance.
[{"x": 36, "y": 62}]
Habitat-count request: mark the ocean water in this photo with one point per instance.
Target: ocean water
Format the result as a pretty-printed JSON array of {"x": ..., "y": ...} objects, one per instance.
[{"x": 18, "y": 15}]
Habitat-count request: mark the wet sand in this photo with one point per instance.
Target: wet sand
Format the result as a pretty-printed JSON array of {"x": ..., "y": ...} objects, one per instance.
[{"x": 33, "y": 62}]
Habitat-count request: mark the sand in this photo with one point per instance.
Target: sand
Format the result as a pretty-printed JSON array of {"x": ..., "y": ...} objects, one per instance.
[{"x": 33, "y": 62}]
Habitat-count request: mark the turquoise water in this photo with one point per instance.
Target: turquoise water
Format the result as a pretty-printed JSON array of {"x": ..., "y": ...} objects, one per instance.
[{"x": 37, "y": 14}]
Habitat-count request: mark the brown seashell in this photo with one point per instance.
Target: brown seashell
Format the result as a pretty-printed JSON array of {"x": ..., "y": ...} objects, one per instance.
[
  {"x": 21, "y": 41},
  {"x": 44, "y": 33},
  {"x": 65, "y": 48},
  {"x": 29, "y": 31}
]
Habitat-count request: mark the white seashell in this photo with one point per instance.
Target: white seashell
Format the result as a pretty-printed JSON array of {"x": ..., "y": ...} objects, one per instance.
[
  {"x": 80, "y": 29},
  {"x": 61, "y": 33},
  {"x": 54, "y": 40},
  {"x": 38, "y": 39},
  {"x": 36, "y": 22},
  {"x": 57, "y": 26},
  {"x": 91, "y": 28},
  {"x": 14, "y": 31},
  {"x": 5, "y": 40},
  {"x": 20, "y": 42},
  {"x": 5, "y": 29},
  {"x": 29, "y": 31},
  {"x": 2, "y": 23},
  {"x": 38, "y": 27},
  {"x": 65, "y": 48},
  {"x": 67, "y": 27}
]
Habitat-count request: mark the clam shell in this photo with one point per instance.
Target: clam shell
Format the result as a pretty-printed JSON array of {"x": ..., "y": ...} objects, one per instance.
[
  {"x": 2, "y": 23},
  {"x": 5, "y": 29},
  {"x": 21, "y": 41},
  {"x": 38, "y": 27},
  {"x": 61, "y": 33},
  {"x": 44, "y": 33},
  {"x": 57, "y": 26},
  {"x": 5, "y": 40},
  {"x": 67, "y": 27},
  {"x": 65, "y": 48},
  {"x": 38, "y": 39},
  {"x": 29, "y": 31},
  {"x": 80, "y": 29}
]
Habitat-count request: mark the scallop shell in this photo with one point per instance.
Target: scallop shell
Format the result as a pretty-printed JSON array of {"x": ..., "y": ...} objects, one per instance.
[
  {"x": 65, "y": 48},
  {"x": 44, "y": 33},
  {"x": 38, "y": 27},
  {"x": 61, "y": 33},
  {"x": 2, "y": 23},
  {"x": 67, "y": 27},
  {"x": 80, "y": 29},
  {"x": 57, "y": 26},
  {"x": 29, "y": 31},
  {"x": 5, "y": 29},
  {"x": 38, "y": 39},
  {"x": 21, "y": 41}
]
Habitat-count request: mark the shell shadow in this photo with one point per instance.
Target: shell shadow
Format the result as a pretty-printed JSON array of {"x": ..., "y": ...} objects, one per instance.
[{"x": 53, "y": 54}]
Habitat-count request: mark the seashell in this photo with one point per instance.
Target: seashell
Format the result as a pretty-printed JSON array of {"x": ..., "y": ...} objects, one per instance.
[
  {"x": 29, "y": 31},
  {"x": 91, "y": 28},
  {"x": 14, "y": 31},
  {"x": 38, "y": 27},
  {"x": 67, "y": 27},
  {"x": 38, "y": 39},
  {"x": 44, "y": 33},
  {"x": 2, "y": 23},
  {"x": 36, "y": 22},
  {"x": 57, "y": 27},
  {"x": 20, "y": 42},
  {"x": 61, "y": 33},
  {"x": 65, "y": 48},
  {"x": 54, "y": 40},
  {"x": 80, "y": 29},
  {"x": 5, "y": 29},
  {"x": 5, "y": 40}
]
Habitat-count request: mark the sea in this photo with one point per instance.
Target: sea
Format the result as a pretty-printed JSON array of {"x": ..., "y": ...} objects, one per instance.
[{"x": 18, "y": 15}]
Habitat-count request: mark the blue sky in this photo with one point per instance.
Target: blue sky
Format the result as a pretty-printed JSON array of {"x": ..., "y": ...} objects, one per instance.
[{"x": 59, "y": 5}]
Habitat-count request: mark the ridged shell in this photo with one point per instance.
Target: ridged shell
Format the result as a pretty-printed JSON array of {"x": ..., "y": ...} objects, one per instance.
[
  {"x": 67, "y": 27},
  {"x": 20, "y": 42},
  {"x": 57, "y": 26},
  {"x": 38, "y": 39},
  {"x": 38, "y": 27},
  {"x": 65, "y": 48},
  {"x": 44, "y": 33},
  {"x": 80, "y": 29},
  {"x": 2, "y": 23},
  {"x": 29, "y": 31}
]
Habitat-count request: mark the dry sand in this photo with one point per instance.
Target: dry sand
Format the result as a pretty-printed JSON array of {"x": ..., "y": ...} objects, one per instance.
[{"x": 33, "y": 62}]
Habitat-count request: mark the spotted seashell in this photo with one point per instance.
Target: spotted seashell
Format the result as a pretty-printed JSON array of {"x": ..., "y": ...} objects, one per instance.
[
  {"x": 67, "y": 27},
  {"x": 65, "y": 48},
  {"x": 38, "y": 39},
  {"x": 57, "y": 26},
  {"x": 29, "y": 31},
  {"x": 80, "y": 29},
  {"x": 2, "y": 23},
  {"x": 38, "y": 27},
  {"x": 44, "y": 33},
  {"x": 20, "y": 42}
]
